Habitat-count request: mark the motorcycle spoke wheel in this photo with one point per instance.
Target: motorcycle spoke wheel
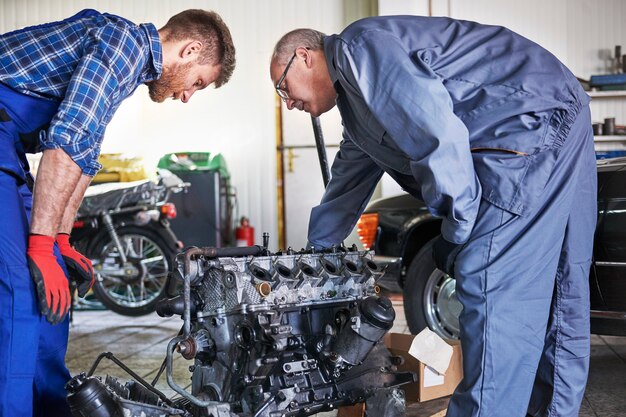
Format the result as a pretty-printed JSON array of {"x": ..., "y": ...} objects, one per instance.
[{"x": 141, "y": 279}]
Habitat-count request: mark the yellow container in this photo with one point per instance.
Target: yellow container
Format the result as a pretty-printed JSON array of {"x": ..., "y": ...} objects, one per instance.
[{"x": 117, "y": 167}]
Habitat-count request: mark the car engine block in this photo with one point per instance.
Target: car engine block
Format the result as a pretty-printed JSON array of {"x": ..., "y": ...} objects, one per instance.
[{"x": 271, "y": 335}]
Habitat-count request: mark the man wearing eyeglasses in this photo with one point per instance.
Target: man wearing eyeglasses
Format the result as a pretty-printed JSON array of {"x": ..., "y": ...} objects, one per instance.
[{"x": 493, "y": 133}]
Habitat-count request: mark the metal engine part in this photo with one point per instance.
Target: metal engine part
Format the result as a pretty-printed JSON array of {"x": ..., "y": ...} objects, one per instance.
[{"x": 279, "y": 335}]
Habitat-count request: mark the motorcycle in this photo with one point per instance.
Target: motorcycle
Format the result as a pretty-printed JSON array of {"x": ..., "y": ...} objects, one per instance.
[{"x": 124, "y": 229}]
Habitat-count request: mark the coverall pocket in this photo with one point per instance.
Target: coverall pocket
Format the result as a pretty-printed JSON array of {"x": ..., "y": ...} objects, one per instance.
[
  {"x": 512, "y": 179},
  {"x": 4, "y": 116},
  {"x": 498, "y": 150}
]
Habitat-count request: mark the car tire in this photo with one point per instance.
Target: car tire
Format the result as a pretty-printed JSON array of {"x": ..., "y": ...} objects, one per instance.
[{"x": 430, "y": 297}]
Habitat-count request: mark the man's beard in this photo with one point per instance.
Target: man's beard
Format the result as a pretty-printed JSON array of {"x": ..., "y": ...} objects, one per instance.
[{"x": 172, "y": 81}]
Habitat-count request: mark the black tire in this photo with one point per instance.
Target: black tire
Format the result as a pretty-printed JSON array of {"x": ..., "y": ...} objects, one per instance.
[
  {"x": 136, "y": 289},
  {"x": 430, "y": 297}
]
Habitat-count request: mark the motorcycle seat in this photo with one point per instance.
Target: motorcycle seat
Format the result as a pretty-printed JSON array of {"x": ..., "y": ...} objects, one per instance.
[{"x": 102, "y": 197}]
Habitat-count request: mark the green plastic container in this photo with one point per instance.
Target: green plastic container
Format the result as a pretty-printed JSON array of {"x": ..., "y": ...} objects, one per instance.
[{"x": 189, "y": 162}]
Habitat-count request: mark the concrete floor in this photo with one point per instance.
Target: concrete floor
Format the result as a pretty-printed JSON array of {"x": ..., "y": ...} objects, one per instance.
[{"x": 141, "y": 344}]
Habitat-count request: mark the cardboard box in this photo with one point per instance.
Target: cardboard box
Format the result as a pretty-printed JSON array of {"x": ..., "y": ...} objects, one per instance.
[
  {"x": 430, "y": 384},
  {"x": 356, "y": 410}
]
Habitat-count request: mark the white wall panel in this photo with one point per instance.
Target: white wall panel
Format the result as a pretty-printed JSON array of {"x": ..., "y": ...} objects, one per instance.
[
  {"x": 237, "y": 120},
  {"x": 400, "y": 7}
]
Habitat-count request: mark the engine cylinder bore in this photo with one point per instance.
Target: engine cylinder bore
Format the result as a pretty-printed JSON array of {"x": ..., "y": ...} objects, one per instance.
[
  {"x": 308, "y": 269},
  {"x": 259, "y": 272},
  {"x": 88, "y": 397},
  {"x": 329, "y": 267},
  {"x": 351, "y": 267},
  {"x": 283, "y": 270},
  {"x": 371, "y": 266}
]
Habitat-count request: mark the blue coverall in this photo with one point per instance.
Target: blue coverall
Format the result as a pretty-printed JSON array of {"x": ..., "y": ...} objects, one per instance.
[
  {"x": 32, "y": 351},
  {"x": 493, "y": 133},
  {"x": 60, "y": 84}
]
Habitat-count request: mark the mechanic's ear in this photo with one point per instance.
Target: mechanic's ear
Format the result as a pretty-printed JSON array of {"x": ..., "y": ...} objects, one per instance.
[
  {"x": 191, "y": 50},
  {"x": 305, "y": 54}
]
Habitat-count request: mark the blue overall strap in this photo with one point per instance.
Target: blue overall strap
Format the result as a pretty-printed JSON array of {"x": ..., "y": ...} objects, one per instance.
[{"x": 22, "y": 117}]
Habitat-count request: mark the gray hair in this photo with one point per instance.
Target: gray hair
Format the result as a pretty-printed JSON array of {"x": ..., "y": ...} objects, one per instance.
[{"x": 307, "y": 38}]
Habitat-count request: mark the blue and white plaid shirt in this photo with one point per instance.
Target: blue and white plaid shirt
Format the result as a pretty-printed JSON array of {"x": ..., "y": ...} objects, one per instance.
[{"x": 89, "y": 63}]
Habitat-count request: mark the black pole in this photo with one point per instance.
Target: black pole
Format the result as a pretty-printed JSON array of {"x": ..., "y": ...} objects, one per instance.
[{"x": 321, "y": 150}]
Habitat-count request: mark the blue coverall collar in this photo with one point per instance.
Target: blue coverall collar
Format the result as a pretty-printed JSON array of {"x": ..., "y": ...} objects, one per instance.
[{"x": 329, "y": 42}]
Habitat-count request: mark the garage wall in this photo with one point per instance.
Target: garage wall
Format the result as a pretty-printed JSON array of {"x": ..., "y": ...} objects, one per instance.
[{"x": 238, "y": 119}]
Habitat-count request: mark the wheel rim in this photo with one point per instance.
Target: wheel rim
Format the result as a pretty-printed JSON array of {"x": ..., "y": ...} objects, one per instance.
[
  {"x": 138, "y": 282},
  {"x": 442, "y": 308}
]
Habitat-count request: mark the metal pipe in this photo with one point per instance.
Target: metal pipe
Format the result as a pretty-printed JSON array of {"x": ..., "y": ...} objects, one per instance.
[
  {"x": 614, "y": 315},
  {"x": 170, "y": 376},
  {"x": 130, "y": 372},
  {"x": 280, "y": 174},
  {"x": 321, "y": 150},
  {"x": 108, "y": 223}
]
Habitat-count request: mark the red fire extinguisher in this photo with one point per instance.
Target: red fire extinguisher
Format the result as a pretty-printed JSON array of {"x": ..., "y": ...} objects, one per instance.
[{"x": 244, "y": 233}]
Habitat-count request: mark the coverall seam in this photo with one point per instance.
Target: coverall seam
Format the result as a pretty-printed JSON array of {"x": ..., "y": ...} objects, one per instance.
[
  {"x": 485, "y": 338},
  {"x": 487, "y": 316},
  {"x": 487, "y": 257},
  {"x": 557, "y": 342}
]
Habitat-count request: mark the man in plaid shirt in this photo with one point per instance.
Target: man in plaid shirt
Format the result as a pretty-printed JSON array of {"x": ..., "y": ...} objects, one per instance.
[{"x": 60, "y": 84}]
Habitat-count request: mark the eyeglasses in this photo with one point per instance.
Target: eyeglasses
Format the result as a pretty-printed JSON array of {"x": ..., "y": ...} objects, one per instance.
[{"x": 282, "y": 93}]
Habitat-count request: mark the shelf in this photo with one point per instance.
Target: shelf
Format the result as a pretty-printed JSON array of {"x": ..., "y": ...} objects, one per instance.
[
  {"x": 609, "y": 143},
  {"x": 607, "y": 138},
  {"x": 607, "y": 94}
]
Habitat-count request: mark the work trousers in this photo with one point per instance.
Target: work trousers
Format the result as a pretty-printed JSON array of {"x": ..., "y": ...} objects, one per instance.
[
  {"x": 523, "y": 282},
  {"x": 32, "y": 351}
]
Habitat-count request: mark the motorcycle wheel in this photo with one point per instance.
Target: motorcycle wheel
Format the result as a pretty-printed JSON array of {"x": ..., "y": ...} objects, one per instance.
[
  {"x": 430, "y": 297},
  {"x": 134, "y": 288}
]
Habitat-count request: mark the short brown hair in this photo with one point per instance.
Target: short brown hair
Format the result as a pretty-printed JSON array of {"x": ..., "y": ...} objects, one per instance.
[
  {"x": 307, "y": 38},
  {"x": 209, "y": 28}
]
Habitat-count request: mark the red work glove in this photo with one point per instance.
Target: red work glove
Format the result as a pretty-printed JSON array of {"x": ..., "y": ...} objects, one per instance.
[
  {"x": 53, "y": 289},
  {"x": 78, "y": 267}
]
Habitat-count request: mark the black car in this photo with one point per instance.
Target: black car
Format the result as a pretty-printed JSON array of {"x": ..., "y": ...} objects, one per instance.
[{"x": 401, "y": 231}]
